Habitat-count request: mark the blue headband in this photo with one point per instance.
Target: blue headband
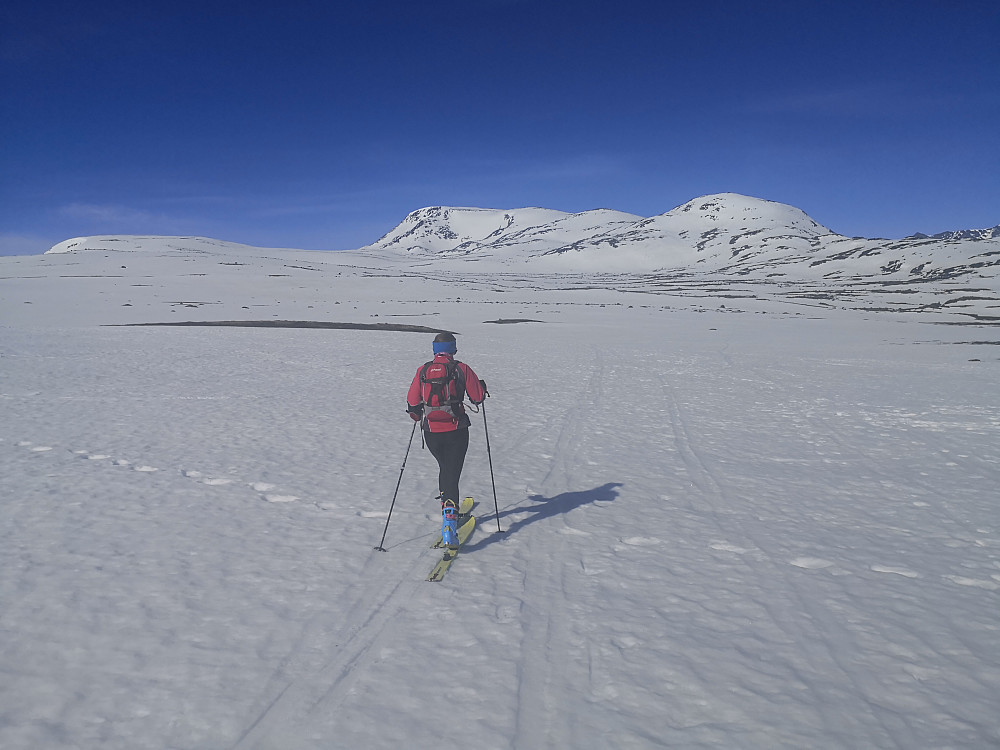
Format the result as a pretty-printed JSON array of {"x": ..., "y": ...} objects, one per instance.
[{"x": 445, "y": 347}]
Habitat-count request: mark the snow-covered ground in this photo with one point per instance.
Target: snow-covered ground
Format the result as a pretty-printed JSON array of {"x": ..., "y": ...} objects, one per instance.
[{"x": 749, "y": 523}]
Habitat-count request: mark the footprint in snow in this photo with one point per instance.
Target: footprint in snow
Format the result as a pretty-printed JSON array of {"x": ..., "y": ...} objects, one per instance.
[
  {"x": 223, "y": 481},
  {"x": 265, "y": 489},
  {"x": 978, "y": 583},
  {"x": 727, "y": 547},
  {"x": 810, "y": 563},
  {"x": 199, "y": 477},
  {"x": 640, "y": 541},
  {"x": 262, "y": 487},
  {"x": 34, "y": 448},
  {"x": 894, "y": 569},
  {"x": 88, "y": 456}
]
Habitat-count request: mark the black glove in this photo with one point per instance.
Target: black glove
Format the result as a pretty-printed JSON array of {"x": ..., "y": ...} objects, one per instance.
[
  {"x": 415, "y": 412},
  {"x": 482, "y": 384}
]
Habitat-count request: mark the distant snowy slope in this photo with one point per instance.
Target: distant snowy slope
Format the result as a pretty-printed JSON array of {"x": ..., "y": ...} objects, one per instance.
[
  {"x": 724, "y": 233},
  {"x": 464, "y": 230},
  {"x": 961, "y": 234},
  {"x": 144, "y": 243}
]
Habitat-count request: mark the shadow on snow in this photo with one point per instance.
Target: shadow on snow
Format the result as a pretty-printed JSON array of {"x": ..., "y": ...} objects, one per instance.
[{"x": 539, "y": 508}]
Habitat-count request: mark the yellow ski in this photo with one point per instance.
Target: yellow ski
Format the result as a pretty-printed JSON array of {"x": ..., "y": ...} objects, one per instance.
[{"x": 449, "y": 555}]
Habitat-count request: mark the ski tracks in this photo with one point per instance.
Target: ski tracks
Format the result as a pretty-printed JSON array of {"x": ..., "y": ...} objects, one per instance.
[
  {"x": 548, "y": 668},
  {"x": 541, "y": 720},
  {"x": 799, "y": 614},
  {"x": 298, "y": 690}
]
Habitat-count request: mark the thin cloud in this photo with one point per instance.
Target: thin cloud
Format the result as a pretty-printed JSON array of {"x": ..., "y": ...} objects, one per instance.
[{"x": 110, "y": 214}]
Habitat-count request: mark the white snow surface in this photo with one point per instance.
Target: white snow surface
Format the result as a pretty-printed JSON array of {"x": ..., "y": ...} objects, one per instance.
[{"x": 736, "y": 514}]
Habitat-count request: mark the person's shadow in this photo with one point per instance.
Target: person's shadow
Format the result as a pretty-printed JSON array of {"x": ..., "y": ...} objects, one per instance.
[{"x": 539, "y": 508}]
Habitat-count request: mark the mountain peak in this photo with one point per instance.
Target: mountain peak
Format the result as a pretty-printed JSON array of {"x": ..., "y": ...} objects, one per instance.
[
  {"x": 734, "y": 208},
  {"x": 520, "y": 234}
]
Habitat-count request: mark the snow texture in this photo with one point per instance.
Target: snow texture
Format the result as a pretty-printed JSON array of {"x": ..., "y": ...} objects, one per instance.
[{"x": 757, "y": 520}]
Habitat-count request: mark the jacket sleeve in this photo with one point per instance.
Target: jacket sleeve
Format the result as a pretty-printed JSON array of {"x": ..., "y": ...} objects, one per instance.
[
  {"x": 413, "y": 395},
  {"x": 473, "y": 388}
]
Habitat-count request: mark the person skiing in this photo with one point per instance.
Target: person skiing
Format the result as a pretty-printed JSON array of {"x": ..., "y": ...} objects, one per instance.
[{"x": 435, "y": 399}]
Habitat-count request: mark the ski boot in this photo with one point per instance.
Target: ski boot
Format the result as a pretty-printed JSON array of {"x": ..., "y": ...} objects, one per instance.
[{"x": 449, "y": 524}]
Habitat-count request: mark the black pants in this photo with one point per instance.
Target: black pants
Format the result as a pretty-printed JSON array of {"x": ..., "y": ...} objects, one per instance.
[{"x": 449, "y": 448}]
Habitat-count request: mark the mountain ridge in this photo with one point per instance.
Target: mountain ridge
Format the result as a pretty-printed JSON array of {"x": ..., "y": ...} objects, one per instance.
[
  {"x": 723, "y": 234},
  {"x": 723, "y": 247},
  {"x": 726, "y": 233}
]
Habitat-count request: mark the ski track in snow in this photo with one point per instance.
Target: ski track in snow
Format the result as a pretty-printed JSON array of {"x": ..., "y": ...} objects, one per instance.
[
  {"x": 320, "y": 691},
  {"x": 547, "y": 662},
  {"x": 787, "y": 616},
  {"x": 803, "y": 618}
]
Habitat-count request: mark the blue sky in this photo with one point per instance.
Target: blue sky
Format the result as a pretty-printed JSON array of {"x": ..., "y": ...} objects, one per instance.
[{"x": 320, "y": 125}]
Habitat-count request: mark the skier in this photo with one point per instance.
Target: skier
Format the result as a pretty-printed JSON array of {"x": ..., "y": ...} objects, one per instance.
[{"x": 435, "y": 398}]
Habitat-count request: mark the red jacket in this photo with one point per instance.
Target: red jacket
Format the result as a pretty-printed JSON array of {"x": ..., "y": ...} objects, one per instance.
[{"x": 473, "y": 390}]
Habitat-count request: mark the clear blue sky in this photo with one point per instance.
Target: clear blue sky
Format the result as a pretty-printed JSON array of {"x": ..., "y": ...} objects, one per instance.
[{"x": 322, "y": 124}]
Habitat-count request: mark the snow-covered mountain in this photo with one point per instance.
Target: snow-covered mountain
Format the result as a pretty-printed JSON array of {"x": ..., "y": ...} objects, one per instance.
[
  {"x": 725, "y": 233},
  {"x": 962, "y": 234},
  {"x": 727, "y": 246},
  {"x": 532, "y": 231}
]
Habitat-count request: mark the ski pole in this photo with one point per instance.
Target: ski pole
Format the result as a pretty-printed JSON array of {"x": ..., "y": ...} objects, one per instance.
[
  {"x": 380, "y": 548},
  {"x": 489, "y": 455}
]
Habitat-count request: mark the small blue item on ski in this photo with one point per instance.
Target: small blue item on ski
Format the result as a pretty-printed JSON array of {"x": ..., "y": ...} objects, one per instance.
[
  {"x": 450, "y": 554},
  {"x": 464, "y": 509},
  {"x": 449, "y": 524}
]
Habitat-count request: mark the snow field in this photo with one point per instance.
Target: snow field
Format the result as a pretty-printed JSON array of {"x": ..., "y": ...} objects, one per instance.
[{"x": 722, "y": 530}]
